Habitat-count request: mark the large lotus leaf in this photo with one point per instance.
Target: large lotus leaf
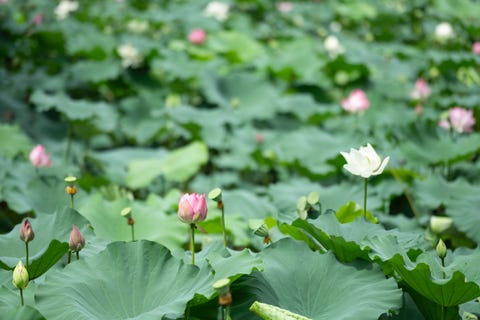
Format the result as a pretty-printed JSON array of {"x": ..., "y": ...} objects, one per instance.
[
  {"x": 445, "y": 286},
  {"x": 151, "y": 223},
  {"x": 95, "y": 71},
  {"x": 13, "y": 141},
  {"x": 244, "y": 95},
  {"x": 351, "y": 240},
  {"x": 417, "y": 140},
  {"x": 459, "y": 197},
  {"x": 102, "y": 114},
  {"x": 44, "y": 251},
  {"x": 134, "y": 280},
  {"x": 348, "y": 290},
  {"x": 20, "y": 313},
  {"x": 178, "y": 165}
]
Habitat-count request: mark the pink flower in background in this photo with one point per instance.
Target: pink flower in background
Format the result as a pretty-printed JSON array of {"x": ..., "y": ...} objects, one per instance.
[
  {"x": 197, "y": 36},
  {"x": 356, "y": 102},
  {"x": 38, "y": 19},
  {"x": 39, "y": 158},
  {"x": 285, "y": 6},
  {"x": 459, "y": 119},
  {"x": 192, "y": 208},
  {"x": 421, "y": 90},
  {"x": 476, "y": 47}
]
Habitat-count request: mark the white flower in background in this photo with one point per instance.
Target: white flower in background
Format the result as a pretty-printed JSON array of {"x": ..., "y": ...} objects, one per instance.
[
  {"x": 364, "y": 162},
  {"x": 217, "y": 10},
  {"x": 64, "y": 8},
  {"x": 440, "y": 224},
  {"x": 137, "y": 26},
  {"x": 130, "y": 55},
  {"x": 333, "y": 46},
  {"x": 444, "y": 31}
]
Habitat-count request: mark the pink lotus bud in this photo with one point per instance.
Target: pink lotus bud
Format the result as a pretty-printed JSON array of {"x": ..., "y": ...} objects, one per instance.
[
  {"x": 197, "y": 36},
  {"x": 418, "y": 109},
  {"x": 461, "y": 120},
  {"x": 476, "y": 48},
  {"x": 421, "y": 90},
  {"x": 39, "y": 158},
  {"x": 192, "y": 208},
  {"x": 356, "y": 102},
  {"x": 26, "y": 231},
  {"x": 77, "y": 241}
]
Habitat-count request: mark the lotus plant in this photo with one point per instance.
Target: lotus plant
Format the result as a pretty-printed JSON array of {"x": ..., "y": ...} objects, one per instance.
[
  {"x": 192, "y": 208},
  {"x": 356, "y": 102},
  {"x": 216, "y": 195},
  {"x": 71, "y": 189},
  {"x": 127, "y": 214},
  {"x": 364, "y": 162},
  {"x": 26, "y": 235},
  {"x": 20, "y": 279}
]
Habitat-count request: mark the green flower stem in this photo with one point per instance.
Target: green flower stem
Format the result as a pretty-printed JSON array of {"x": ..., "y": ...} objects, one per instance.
[
  {"x": 21, "y": 297},
  {"x": 78, "y": 255},
  {"x": 192, "y": 241},
  {"x": 133, "y": 232},
  {"x": 443, "y": 276},
  {"x": 365, "y": 199},
  {"x": 71, "y": 201},
  {"x": 222, "y": 206},
  {"x": 26, "y": 254},
  {"x": 69, "y": 256}
]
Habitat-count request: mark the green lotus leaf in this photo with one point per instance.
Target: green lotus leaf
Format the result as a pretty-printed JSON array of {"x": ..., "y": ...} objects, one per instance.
[
  {"x": 305, "y": 282},
  {"x": 134, "y": 280},
  {"x": 178, "y": 165}
]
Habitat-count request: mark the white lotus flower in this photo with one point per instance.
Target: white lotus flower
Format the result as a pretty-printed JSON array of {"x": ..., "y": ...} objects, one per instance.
[
  {"x": 217, "y": 10},
  {"x": 64, "y": 8},
  {"x": 444, "y": 31},
  {"x": 364, "y": 162},
  {"x": 130, "y": 55},
  {"x": 333, "y": 46}
]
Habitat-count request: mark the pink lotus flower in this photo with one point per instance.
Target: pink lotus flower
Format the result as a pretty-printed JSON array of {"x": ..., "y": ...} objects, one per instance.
[
  {"x": 76, "y": 241},
  {"x": 421, "y": 90},
  {"x": 26, "y": 231},
  {"x": 39, "y": 158},
  {"x": 476, "y": 47},
  {"x": 459, "y": 119},
  {"x": 192, "y": 208},
  {"x": 285, "y": 6},
  {"x": 356, "y": 102},
  {"x": 197, "y": 36}
]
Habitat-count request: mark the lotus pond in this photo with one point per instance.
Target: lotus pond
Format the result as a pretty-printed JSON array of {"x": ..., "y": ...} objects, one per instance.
[{"x": 239, "y": 159}]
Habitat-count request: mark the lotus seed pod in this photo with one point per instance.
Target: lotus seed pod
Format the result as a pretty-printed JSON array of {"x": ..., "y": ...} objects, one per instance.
[
  {"x": 20, "y": 276},
  {"x": 215, "y": 195},
  {"x": 441, "y": 249},
  {"x": 126, "y": 212},
  {"x": 70, "y": 180},
  {"x": 222, "y": 286},
  {"x": 26, "y": 231}
]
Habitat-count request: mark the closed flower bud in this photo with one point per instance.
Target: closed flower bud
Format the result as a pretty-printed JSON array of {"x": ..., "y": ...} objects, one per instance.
[
  {"x": 20, "y": 276},
  {"x": 77, "y": 241},
  {"x": 26, "y": 231},
  {"x": 441, "y": 249},
  {"x": 192, "y": 208}
]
